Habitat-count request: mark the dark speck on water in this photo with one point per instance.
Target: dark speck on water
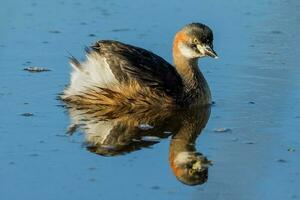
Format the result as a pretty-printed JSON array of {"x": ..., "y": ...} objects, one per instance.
[
  {"x": 92, "y": 180},
  {"x": 27, "y": 114},
  {"x": 249, "y": 142},
  {"x": 54, "y": 31},
  {"x": 120, "y": 30},
  {"x": 291, "y": 149},
  {"x": 276, "y": 32},
  {"x": 12, "y": 163},
  {"x": 92, "y": 168},
  {"x": 27, "y": 62},
  {"x": 281, "y": 160},
  {"x": 36, "y": 69},
  {"x": 155, "y": 188},
  {"x": 34, "y": 155}
]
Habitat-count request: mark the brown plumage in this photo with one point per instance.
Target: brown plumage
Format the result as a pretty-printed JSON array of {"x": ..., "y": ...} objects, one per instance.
[
  {"x": 117, "y": 74},
  {"x": 112, "y": 132}
]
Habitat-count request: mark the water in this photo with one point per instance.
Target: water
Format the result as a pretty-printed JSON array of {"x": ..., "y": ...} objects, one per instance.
[{"x": 255, "y": 85}]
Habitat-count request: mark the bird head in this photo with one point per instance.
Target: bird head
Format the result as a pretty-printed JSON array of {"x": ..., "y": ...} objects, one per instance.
[{"x": 195, "y": 41}]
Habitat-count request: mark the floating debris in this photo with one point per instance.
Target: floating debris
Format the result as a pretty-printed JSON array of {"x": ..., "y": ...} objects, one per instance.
[
  {"x": 249, "y": 142},
  {"x": 92, "y": 35},
  {"x": 222, "y": 130},
  {"x": 92, "y": 168},
  {"x": 27, "y": 114},
  {"x": 55, "y": 31},
  {"x": 251, "y": 102},
  {"x": 11, "y": 163},
  {"x": 27, "y": 63},
  {"x": 92, "y": 180},
  {"x": 281, "y": 160},
  {"x": 155, "y": 187},
  {"x": 145, "y": 127},
  {"x": 120, "y": 30},
  {"x": 291, "y": 149},
  {"x": 276, "y": 32},
  {"x": 36, "y": 69},
  {"x": 34, "y": 155}
]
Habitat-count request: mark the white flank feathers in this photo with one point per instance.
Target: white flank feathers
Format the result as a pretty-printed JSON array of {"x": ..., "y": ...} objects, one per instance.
[{"x": 93, "y": 72}]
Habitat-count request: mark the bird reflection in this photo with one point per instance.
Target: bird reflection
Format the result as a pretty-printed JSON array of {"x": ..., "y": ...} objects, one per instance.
[{"x": 111, "y": 132}]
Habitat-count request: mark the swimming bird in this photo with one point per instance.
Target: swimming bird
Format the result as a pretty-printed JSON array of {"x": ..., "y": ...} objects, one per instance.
[
  {"x": 115, "y": 132},
  {"x": 118, "y": 74}
]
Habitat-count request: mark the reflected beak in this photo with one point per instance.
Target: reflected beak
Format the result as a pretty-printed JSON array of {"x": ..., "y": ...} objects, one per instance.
[{"x": 207, "y": 50}]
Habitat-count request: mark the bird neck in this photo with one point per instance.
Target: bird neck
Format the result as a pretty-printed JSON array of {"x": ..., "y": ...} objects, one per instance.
[
  {"x": 184, "y": 140},
  {"x": 188, "y": 70},
  {"x": 195, "y": 85},
  {"x": 182, "y": 144}
]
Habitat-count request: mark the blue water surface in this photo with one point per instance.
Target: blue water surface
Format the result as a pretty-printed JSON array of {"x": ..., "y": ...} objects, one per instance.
[{"x": 255, "y": 85}]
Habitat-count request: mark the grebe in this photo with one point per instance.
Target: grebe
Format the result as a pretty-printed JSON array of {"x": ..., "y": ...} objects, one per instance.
[
  {"x": 113, "y": 132},
  {"x": 118, "y": 74}
]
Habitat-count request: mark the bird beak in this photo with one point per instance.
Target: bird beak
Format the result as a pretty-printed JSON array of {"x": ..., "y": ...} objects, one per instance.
[
  {"x": 207, "y": 50},
  {"x": 210, "y": 52}
]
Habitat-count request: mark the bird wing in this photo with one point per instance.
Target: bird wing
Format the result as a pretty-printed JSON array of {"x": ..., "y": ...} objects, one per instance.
[{"x": 128, "y": 62}]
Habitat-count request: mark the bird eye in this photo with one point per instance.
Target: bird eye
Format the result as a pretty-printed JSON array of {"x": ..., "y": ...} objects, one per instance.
[{"x": 196, "y": 40}]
